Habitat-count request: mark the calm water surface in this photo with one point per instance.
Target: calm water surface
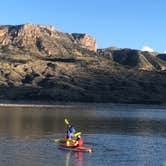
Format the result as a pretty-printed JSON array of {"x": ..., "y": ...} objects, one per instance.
[{"x": 120, "y": 135}]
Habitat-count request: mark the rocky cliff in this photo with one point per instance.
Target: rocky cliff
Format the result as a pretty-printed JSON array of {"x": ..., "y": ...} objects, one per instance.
[
  {"x": 46, "y": 40},
  {"x": 40, "y": 63},
  {"x": 85, "y": 40}
]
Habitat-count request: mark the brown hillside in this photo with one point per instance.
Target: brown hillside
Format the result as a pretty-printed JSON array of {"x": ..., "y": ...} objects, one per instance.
[{"x": 40, "y": 63}]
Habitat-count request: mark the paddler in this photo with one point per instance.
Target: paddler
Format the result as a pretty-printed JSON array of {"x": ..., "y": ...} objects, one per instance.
[
  {"x": 70, "y": 132},
  {"x": 79, "y": 141}
]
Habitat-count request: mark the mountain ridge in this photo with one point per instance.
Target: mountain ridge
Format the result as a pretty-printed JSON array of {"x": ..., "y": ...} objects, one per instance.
[
  {"x": 135, "y": 58},
  {"x": 40, "y": 63}
]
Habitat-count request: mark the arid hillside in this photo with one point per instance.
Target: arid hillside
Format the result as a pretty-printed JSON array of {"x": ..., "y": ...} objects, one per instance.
[
  {"x": 137, "y": 59},
  {"x": 40, "y": 63}
]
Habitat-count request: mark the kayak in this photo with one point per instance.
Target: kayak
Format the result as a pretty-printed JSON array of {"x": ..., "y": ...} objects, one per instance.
[
  {"x": 63, "y": 140},
  {"x": 74, "y": 148}
]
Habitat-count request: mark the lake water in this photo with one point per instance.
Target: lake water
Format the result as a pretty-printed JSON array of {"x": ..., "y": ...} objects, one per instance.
[{"x": 119, "y": 135}]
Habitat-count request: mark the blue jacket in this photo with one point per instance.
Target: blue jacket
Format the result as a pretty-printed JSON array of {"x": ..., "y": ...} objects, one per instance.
[{"x": 71, "y": 130}]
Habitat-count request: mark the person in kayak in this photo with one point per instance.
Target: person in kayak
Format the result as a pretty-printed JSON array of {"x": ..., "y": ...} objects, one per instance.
[
  {"x": 79, "y": 141},
  {"x": 69, "y": 134},
  {"x": 70, "y": 131}
]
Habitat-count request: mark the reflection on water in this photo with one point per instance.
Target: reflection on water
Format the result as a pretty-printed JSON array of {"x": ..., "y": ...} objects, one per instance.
[
  {"x": 68, "y": 155},
  {"x": 118, "y": 135},
  {"x": 37, "y": 121},
  {"x": 78, "y": 158},
  {"x": 44, "y": 121},
  {"x": 108, "y": 149}
]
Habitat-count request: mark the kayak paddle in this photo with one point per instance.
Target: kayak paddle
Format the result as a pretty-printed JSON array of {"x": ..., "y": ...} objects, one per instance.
[
  {"x": 63, "y": 140},
  {"x": 66, "y": 121},
  {"x": 76, "y": 134}
]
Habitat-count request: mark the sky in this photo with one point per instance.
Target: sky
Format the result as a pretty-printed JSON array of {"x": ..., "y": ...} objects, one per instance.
[{"x": 136, "y": 24}]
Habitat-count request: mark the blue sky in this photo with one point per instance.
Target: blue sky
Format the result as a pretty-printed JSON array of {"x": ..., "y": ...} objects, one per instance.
[{"x": 121, "y": 23}]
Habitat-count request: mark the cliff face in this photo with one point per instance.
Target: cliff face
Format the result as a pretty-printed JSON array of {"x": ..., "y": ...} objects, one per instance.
[
  {"x": 85, "y": 40},
  {"x": 46, "y": 39},
  {"x": 22, "y": 35},
  {"x": 40, "y": 63}
]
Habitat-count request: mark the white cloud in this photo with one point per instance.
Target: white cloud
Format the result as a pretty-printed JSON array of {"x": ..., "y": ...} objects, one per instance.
[
  {"x": 147, "y": 48},
  {"x": 164, "y": 52}
]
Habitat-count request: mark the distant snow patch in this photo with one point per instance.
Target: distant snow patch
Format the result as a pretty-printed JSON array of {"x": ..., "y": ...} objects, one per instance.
[{"x": 147, "y": 48}]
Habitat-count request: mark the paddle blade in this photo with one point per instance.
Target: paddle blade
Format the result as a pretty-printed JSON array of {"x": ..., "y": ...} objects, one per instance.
[
  {"x": 57, "y": 140},
  {"x": 66, "y": 121},
  {"x": 76, "y": 134}
]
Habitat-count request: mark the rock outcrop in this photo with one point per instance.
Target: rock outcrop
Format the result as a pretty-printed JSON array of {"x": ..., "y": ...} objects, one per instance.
[
  {"x": 135, "y": 58},
  {"x": 85, "y": 40},
  {"x": 46, "y": 39}
]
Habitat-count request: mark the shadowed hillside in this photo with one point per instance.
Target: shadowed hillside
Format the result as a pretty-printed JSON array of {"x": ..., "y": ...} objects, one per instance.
[
  {"x": 38, "y": 62},
  {"x": 135, "y": 58}
]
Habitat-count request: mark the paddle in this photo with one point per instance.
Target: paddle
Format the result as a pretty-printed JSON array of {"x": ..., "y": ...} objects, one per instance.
[
  {"x": 76, "y": 134},
  {"x": 57, "y": 139},
  {"x": 62, "y": 140},
  {"x": 66, "y": 121}
]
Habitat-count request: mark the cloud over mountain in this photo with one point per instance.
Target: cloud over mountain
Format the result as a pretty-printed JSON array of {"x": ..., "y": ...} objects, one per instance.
[{"x": 147, "y": 48}]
